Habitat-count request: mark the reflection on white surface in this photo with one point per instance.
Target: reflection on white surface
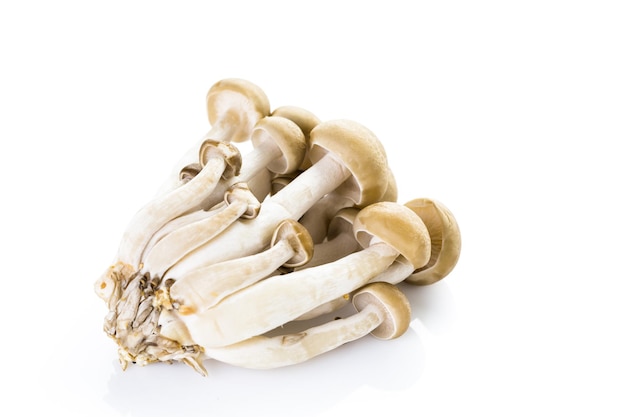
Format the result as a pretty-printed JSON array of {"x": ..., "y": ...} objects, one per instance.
[{"x": 309, "y": 388}]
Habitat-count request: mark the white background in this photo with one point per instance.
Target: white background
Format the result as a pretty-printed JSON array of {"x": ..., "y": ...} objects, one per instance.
[{"x": 511, "y": 113}]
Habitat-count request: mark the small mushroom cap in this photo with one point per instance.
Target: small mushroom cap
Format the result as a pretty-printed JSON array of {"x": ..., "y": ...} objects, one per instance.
[
  {"x": 232, "y": 156},
  {"x": 241, "y": 192},
  {"x": 392, "y": 303},
  {"x": 238, "y": 103},
  {"x": 396, "y": 225},
  {"x": 189, "y": 171},
  {"x": 288, "y": 138},
  {"x": 299, "y": 239},
  {"x": 445, "y": 238},
  {"x": 342, "y": 222},
  {"x": 360, "y": 151},
  {"x": 304, "y": 119}
]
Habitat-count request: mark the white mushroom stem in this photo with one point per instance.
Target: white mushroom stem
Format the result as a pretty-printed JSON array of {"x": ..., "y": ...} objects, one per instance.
[
  {"x": 396, "y": 273},
  {"x": 175, "y": 245},
  {"x": 245, "y": 238},
  {"x": 318, "y": 217},
  {"x": 180, "y": 222},
  {"x": 310, "y": 186},
  {"x": 261, "y": 184},
  {"x": 205, "y": 287},
  {"x": 282, "y": 298},
  {"x": 382, "y": 309},
  {"x": 386, "y": 230},
  {"x": 261, "y": 352},
  {"x": 157, "y": 213}
]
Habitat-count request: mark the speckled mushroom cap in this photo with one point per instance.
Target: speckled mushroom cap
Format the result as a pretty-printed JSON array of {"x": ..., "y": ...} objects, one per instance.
[
  {"x": 230, "y": 154},
  {"x": 360, "y": 151},
  {"x": 299, "y": 239},
  {"x": 391, "y": 192},
  {"x": 304, "y": 119},
  {"x": 393, "y": 304},
  {"x": 396, "y": 225},
  {"x": 238, "y": 103},
  {"x": 445, "y": 239},
  {"x": 289, "y": 138}
]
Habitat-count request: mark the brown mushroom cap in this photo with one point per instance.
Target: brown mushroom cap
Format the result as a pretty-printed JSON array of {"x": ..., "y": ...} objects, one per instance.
[
  {"x": 360, "y": 151},
  {"x": 287, "y": 136},
  {"x": 299, "y": 239},
  {"x": 238, "y": 103},
  {"x": 304, "y": 119},
  {"x": 445, "y": 239},
  {"x": 241, "y": 192},
  {"x": 396, "y": 225},
  {"x": 342, "y": 222},
  {"x": 393, "y": 304},
  {"x": 232, "y": 157},
  {"x": 391, "y": 192}
]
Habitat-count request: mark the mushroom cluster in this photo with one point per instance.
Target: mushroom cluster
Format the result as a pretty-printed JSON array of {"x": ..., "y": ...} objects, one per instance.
[{"x": 234, "y": 247}]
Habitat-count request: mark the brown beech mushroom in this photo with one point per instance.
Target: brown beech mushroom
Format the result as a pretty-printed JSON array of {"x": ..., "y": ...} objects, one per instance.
[
  {"x": 382, "y": 311},
  {"x": 387, "y": 230},
  {"x": 346, "y": 157},
  {"x": 445, "y": 246},
  {"x": 234, "y": 107},
  {"x": 304, "y": 119},
  {"x": 445, "y": 239}
]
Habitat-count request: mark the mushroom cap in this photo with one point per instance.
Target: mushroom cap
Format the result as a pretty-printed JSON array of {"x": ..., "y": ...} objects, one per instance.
[
  {"x": 240, "y": 191},
  {"x": 445, "y": 238},
  {"x": 360, "y": 151},
  {"x": 299, "y": 239},
  {"x": 287, "y": 136},
  {"x": 342, "y": 222},
  {"x": 397, "y": 226},
  {"x": 232, "y": 156},
  {"x": 239, "y": 103},
  {"x": 391, "y": 192},
  {"x": 391, "y": 302},
  {"x": 280, "y": 181},
  {"x": 304, "y": 119},
  {"x": 189, "y": 171}
]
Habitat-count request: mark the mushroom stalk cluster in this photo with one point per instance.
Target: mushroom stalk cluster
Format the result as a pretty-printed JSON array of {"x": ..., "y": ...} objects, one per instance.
[{"x": 237, "y": 245}]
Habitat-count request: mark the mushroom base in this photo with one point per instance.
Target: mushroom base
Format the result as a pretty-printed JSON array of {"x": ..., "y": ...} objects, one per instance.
[{"x": 135, "y": 306}]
